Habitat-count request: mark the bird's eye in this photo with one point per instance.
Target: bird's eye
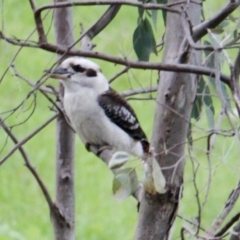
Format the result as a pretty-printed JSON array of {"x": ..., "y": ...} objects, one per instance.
[
  {"x": 91, "y": 73},
  {"x": 78, "y": 68}
]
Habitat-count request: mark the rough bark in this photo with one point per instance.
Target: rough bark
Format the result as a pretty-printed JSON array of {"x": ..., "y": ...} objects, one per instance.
[
  {"x": 176, "y": 94},
  {"x": 64, "y": 223}
]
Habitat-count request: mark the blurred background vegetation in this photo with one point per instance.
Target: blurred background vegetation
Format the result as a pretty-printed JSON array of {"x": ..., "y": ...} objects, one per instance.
[{"x": 24, "y": 213}]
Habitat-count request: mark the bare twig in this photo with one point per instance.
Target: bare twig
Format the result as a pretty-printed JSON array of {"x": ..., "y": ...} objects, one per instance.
[
  {"x": 139, "y": 91},
  {"x": 201, "y": 30},
  {"x": 102, "y": 22},
  {"x": 26, "y": 139},
  {"x": 118, "y": 74},
  {"x": 233, "y": 197},
  {"x": 235, "y": 82},
  {"x": 28, "y": 164},
  {"x": 228, "y": 225},
  {"x": 166, "y": 7},
  {"x": 133, "y": 64},
  {"x": 38, "y": 21}
]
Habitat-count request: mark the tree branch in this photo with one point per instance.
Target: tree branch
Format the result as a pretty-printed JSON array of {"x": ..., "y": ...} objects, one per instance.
[
  {"x": 200, "y": 30},
  {"x": 38, "y": 21},
  {"x": 139, "y": 91},
  {"x": 28, "y": 164},
  {"x": 105, "y": 19},
  {"x": 233, "y": 197},
  {"x": 166, "y": 7},
  {"x": 228, "y": 225},
  {"x": 26, "y": 139}
]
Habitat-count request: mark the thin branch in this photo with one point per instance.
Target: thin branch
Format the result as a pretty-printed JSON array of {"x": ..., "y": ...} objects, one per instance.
[
  {"x": 118, "y": 74},
  {"x": 233, "y": 197},
  {"x": 166, "y": 7},
  {"x": 139, "y": 91},
  {"x": 28, "y": 164},
  {"x": 102, "y": 22},
  {"x": 31, "y": 83},
  {"x": 235, "y": 82},
  {"x": 39, "y": 25},
  {"x": 26, "y": 139},
  {"x": 201, "y": 30},
  {"x": 133, "y": 64},
  {"x": 92, "y": 31},
  {"x": 228, "y": 225}
]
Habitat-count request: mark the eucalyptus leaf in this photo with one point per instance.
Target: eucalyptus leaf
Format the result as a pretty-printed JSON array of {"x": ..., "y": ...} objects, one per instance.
[
  {"x": 197, "y": 105},
  {"x": 210, "y": 64},
  {"x": 210, "y": 117},
  {"x": 140, "y": 10},
  {"x": 154, "y": 15},
  {"x": 154, "y": 18},
  {"x": 143, "y": 40},
  {"x": 125, "y": 183},
  {"x": 164, "y": 13},
  {"x": 118, "y": 160}
]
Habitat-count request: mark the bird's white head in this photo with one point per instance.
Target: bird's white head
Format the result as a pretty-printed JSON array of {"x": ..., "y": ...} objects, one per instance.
[{"x": 76, "y": 73}]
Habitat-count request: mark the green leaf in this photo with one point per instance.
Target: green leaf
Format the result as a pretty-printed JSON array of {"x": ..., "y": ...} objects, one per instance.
[
  {"x": 197, "y": 105},
  {"x": 207, "y": 99},
  {"x": 143, "y": 40},
  {"x": 154, "y": 18},
  {"x": 210, "y": 64},
  {"x": 220, "y": 28},
  {"x": 210, "y": 117},
  {"x": 164, "y": 13},
  {"x": 118, "y": 160},
  {"x": 203, "y": 98},
  {"x": 140, "y": 10},
  {"x": 154, "y": 15},
  {"x": 125, "y": 183}
]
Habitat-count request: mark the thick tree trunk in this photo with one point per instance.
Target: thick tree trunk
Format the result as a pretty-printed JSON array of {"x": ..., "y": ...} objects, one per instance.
[
  {"x": 64, "y": 224},
  {"x": 176, "y": 94}
]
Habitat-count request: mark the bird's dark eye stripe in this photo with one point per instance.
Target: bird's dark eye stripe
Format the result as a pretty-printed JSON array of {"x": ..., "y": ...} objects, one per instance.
[
  {"x": 78, "y": 68},
  {"x": 91, "y": 73}
]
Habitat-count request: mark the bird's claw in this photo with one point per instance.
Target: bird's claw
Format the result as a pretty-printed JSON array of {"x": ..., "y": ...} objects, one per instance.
[{"x": 101, "y": 149}]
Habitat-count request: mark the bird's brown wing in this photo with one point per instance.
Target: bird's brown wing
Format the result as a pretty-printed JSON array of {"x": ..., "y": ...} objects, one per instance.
[{"x": 121, "y": 113}]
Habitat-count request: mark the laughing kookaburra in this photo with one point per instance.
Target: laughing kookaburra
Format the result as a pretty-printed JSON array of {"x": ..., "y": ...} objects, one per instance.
[{"x": 98, "y": 114}]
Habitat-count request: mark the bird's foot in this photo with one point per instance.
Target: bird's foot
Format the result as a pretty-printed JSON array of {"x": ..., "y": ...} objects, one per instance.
[
  {"x": 102, "y": 148},
  {"x": 87, "y": 146}
]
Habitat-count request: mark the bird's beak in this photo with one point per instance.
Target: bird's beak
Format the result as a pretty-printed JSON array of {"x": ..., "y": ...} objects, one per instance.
[{"x": 59, "y": 73}]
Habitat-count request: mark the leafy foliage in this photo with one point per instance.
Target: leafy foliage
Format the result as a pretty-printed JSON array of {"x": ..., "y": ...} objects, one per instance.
[
  {"x": 143, "y": 40},
  {"x": 125, "y": 183}
]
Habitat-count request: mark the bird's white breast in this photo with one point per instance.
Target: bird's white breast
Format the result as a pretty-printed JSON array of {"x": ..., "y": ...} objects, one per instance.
[{"x": 93, "y": 126}]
